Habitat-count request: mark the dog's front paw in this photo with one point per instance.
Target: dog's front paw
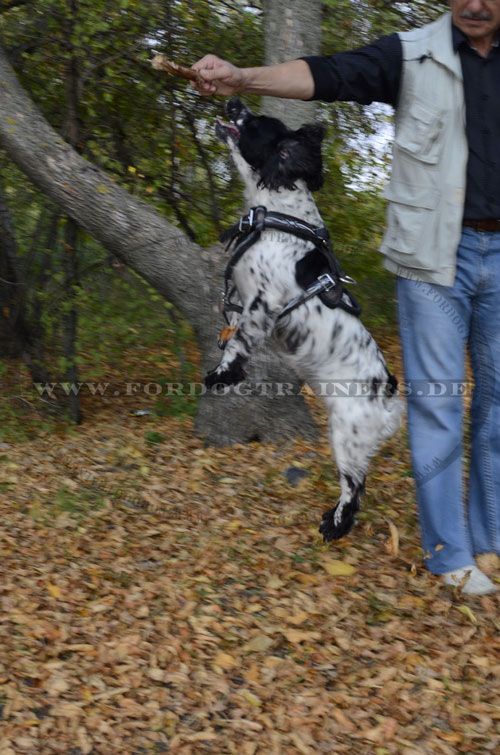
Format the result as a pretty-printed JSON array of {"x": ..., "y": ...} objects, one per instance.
[
  {"x": 337, "y": 522},
  {"x": 231, "y": 375}
]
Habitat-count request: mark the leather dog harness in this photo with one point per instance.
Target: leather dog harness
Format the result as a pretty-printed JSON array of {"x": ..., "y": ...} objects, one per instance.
[{"x": 329, "y": 286}]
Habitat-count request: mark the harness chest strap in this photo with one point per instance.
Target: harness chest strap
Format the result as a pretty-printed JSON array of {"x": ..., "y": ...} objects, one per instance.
[{"x": 248, "y": 230}]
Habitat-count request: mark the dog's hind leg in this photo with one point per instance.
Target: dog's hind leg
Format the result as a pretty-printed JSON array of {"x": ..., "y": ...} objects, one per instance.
[{"x": 352, "y": 459}]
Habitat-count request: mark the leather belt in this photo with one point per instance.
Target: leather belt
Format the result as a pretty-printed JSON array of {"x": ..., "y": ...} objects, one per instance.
[{"x": 487, "y": 224}]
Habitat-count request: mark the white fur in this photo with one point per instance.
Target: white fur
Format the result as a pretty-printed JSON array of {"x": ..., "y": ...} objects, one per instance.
[{"x": 333, "y": 348}]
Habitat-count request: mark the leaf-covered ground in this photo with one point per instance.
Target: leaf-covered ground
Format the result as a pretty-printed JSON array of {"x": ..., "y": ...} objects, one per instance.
[{"x": 160, "y": 596}]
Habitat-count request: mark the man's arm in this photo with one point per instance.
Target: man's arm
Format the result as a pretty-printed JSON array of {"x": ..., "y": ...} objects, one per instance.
[
  {"x": 368, "y": 74},
  {"x": 292, "y": 80}
]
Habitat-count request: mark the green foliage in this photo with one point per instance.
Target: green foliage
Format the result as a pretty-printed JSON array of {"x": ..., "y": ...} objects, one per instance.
[
  {"x": 77, "y": 504},
  {"x": 155, "y": 136},
  {"x": 153, "y": 438}
]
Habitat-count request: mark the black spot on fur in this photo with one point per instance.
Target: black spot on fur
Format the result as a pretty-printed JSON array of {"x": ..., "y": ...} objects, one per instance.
[
  {"x": 255, "y": 304},
  {"x": 295, "y": 338},
  {"x": 375, "y": 385},
  {"x": 336, "y": 331},
  {"x": 392, "y": 385},
  {"x": 389, "y": 389}
]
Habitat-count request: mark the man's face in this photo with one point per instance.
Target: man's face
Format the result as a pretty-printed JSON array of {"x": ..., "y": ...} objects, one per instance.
[{"x": 476, "y": 18}]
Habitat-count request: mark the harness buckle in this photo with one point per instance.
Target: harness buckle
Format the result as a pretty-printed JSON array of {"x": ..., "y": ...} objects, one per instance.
[
  {"x": 222, "y": 302},
  {"x": 326, "y": 282},
  {"x": 246, "y": 221}
]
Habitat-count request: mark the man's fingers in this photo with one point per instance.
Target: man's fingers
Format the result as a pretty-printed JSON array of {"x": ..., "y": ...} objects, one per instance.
[
  {"x": 213, "y": 74},
  {"x": 207, "y": 62},
  {"x": 218, "y": 76}
]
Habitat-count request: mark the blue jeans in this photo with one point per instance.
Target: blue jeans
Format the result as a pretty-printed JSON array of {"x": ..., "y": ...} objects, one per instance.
[{"x": 437, "y": 324}]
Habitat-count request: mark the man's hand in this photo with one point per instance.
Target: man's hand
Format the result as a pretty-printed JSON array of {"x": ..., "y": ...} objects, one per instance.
[{"x": 219, "y": 76}]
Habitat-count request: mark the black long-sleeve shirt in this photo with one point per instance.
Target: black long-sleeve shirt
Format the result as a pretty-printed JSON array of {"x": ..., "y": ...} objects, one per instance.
[{"x": 373, "y": 74}]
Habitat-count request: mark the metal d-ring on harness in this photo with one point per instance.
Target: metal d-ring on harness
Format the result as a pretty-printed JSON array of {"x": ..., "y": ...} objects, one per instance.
[{"x": 329, "y": 285}]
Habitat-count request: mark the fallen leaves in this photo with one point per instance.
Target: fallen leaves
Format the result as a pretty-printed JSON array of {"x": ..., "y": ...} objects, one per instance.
[
  {"x": 467, "y": 611},
  {"x": 165, "y": 596},
  {"x": 338, "y": 568},
  {"x": 259, "y": 644}
]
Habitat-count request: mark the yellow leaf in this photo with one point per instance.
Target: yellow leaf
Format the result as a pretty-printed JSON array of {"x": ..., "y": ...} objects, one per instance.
[
  {"x": 454, "y": 737},
  {"x": 131, "y": 169},
  {"x": 54, "y": 590},
  {"x": 394, "y": 540},
  {"x": 467, "y": 612},
  {"x": 225, "y": 660},
  {"x": 252, "y": 699},
  {"x": 274, "y": 583},
  {"x": 338, "y": 568}
]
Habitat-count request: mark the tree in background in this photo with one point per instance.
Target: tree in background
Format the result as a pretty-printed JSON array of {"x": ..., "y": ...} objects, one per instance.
[{"x": 133, "y": 162}]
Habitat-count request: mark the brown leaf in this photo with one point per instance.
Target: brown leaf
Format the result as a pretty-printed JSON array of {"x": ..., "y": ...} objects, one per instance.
[{"x": 258, "y": 644}]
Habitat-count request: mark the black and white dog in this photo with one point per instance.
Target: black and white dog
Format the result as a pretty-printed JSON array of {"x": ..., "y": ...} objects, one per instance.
[{"x": 279, "y": 278}]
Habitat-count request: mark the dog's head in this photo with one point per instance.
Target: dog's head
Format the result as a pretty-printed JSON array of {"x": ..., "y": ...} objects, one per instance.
[{"x": 277, "y": 155}]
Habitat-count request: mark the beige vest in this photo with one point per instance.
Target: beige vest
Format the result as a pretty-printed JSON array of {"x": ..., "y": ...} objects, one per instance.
[{"x": 427, "y": 186}]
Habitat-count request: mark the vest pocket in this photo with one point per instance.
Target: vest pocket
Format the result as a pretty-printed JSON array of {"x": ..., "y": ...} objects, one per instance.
[
  {"x": 420, "y": 133},
  {"x": 410, "y": 220}
]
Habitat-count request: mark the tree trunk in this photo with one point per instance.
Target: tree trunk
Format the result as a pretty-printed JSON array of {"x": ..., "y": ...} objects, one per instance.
[
  {"x": 292, "y": 30},
  {"x": 187, "y": 275},
  {"x": 18, "y": 338}
]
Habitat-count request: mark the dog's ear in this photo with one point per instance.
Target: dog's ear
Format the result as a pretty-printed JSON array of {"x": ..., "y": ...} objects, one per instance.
[
  {"x": 300, "y": 156},
  {"x": 312, "y": 132},
  {"x": 297, "y": 154}
]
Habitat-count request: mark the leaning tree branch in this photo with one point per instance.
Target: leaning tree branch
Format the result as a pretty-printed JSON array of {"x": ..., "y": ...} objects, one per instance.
[{"x": 128, "y": 227}]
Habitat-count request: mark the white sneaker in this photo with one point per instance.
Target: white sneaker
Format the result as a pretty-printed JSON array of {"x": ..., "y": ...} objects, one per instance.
[{"x": 471, "y": 580}]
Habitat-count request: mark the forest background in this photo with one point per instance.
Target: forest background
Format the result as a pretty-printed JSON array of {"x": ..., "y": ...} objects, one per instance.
[{"x": 71, "y": 305}]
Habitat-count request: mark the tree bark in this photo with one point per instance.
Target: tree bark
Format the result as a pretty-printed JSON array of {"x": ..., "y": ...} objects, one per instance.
[
  {"x": 292, "y": 30},
  {"x": 187, "y": 275}
]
